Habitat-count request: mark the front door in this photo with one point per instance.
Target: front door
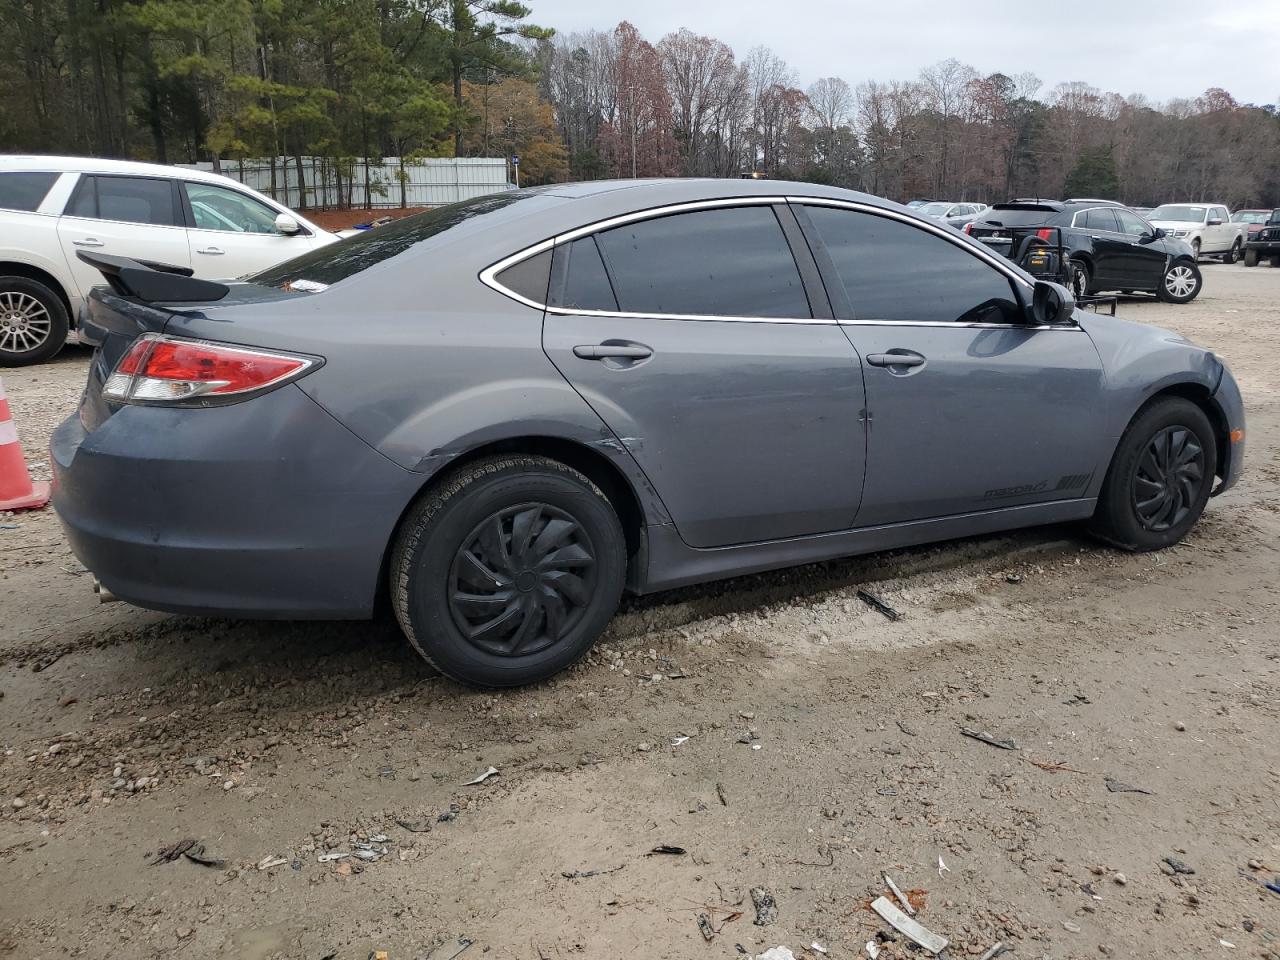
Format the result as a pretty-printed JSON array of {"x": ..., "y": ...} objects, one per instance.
[
  {"x": 970, "y": 410},
  {"x": 1143, "y": 264},
  {"x": 137, "y": 217},
  {"x": 692, "y": 336},
  {"x": 233, "y": 234}
]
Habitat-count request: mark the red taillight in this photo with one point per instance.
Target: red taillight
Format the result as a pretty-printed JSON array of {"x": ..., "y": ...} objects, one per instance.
[
  {"x": 162, "y": 369},
  {"x": 968, "y": 228},
  {"x": 1045, "y": 233}
]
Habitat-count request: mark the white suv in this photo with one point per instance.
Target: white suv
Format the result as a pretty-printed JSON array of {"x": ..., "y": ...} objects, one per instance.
[{"x": 51, "y": 207}]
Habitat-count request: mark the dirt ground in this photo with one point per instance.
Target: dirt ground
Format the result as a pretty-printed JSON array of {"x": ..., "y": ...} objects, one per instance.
[{"x": 779, "y": 731}]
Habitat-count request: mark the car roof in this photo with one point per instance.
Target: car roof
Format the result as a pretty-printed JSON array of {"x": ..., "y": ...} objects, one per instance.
[{"x": 54, "y": 164}]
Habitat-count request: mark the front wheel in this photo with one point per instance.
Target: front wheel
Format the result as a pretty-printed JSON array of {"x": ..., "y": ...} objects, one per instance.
[
  {"x": 1251, "y": 258},
  {"x": 33, "y": 322},
  {"x": 508, "y": 571},
  {"x": 1181, "y": 282},
  {"x": 1160, "y": 477},
  {"x": 1233, "y": 255}
]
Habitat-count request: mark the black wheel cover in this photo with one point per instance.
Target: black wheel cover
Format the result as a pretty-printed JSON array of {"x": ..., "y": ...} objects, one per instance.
[
  {"x": 521, "y": 579},
  {"x": 1168, "y": 479}
]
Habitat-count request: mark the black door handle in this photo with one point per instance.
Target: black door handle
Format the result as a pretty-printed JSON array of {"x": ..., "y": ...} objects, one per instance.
[
  {"x": 613, "y": 351},
  {"x": 895, "y": 359}
]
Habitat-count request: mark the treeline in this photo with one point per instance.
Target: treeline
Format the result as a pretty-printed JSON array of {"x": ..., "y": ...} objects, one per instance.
[{"x": 183, "y": 80}]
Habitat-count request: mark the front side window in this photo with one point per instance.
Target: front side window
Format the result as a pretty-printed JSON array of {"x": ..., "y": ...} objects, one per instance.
[
  {"x": 146, "y": 200},
  {"x": 894, "y": 271},
  {"x": 23, "y": 190},
  {"x": 218, "y": 208},
  {"x": 1132, "y": 224},
  {"x": 732, "y": 261}
]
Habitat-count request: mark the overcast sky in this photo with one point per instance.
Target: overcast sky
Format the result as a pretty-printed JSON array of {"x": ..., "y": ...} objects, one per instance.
[{"x": 1161, "y": 48}]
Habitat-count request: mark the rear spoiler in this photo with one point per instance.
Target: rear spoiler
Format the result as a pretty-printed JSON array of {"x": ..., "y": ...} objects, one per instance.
[{"x": 153, "y": 282}]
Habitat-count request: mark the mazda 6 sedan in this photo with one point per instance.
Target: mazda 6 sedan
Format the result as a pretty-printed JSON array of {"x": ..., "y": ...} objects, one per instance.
[{"x": 499, "y": 415}]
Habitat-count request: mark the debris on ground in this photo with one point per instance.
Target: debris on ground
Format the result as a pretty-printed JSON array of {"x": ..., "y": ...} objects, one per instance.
[
  {"x": 724, "y": 802},
  {"x": 491, "y": 772},
  {"x": 909, "y": 928},
  {"x": 873, "y": 949},
  {"x": 271, "y": 861},
  {"x": 449, "y": 815},
  {"x": 816, "y": 947},
  {"x": 942, "y": 868},
  {"x": 994, "y": 952},
  {"x": 1050, "y": 766},
  {"x": 676, "y": 741},
  {"x": 196, "y": 854},
  {"x": 1179, "y": 866},
  {"x": 1119, "y": 786},
  {"x": 667, "y": 850},
  {"x": 873, "y": 601},
  {"x": 907, "y": 729},
  {"x": 173, "y": 851},
  {"x": 704, "y": 926},
  {"x": 449, "y": 949},
  {"x": 902, "y": 897},
  {"x": 777, "y": 953},
  {"x": 332, "y": 855},
  {"x": 1070, "y": 926},
  {"x": 766, "y": 906},
  {"x": 415, "y": 826},
  {"x": 583, "y": 874},
  {"x": 1003, "y": 744}
]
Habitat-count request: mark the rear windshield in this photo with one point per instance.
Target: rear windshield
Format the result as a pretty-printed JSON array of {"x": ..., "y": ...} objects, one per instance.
[
  {"x": 933, "y": 209},
  {"x": 23, "y": 190},
  {"x": 1017, "y": 216},
  {"x": 329, "y": 264},
  {"x": 1175, "y": 212}
]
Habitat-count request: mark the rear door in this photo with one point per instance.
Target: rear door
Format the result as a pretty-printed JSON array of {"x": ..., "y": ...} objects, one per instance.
[
  {"x": 1110, "y": 246},
  {"x": 139, "y": 217},
  {"x": 693, "y": 336},
  {"x": 969, "y": 409},
  {"x": 233, "y": 234}
]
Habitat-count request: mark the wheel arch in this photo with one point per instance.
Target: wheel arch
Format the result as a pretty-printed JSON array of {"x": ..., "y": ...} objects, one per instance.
[
  {"x": 16, "y": 268},
  {"x": 593, "y": 464},
  {"x": 1202, "y": 397}
]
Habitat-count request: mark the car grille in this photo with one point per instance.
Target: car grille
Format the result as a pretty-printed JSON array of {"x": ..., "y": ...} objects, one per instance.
[{"x": 1271, "y": 233}]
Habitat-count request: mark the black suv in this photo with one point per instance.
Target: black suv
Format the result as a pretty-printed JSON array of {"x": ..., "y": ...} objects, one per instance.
[
  {"x": 1265, "y": 244},
  {"x": 1106, "y": 246}
]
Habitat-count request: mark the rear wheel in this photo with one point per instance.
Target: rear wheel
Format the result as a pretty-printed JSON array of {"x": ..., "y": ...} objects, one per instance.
[
  {"x": 1079, "y": 279},
  {"x": 1181, "y": 282},
  {"x": 1233, "y": 255},
  {"x": 33, "y": 322},
  {"x": 1251, "y": 258},
  {"x": 507, "y": 572},
  {"x": 1160, "y": 477},
  {"x": 1275, "y": 260}
]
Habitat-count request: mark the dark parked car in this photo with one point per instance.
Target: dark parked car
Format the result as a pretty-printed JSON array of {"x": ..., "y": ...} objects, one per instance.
[
  {"x": 1265, "y": 244},
  {"x": 501, "y": 414},
  {"x": 1109, "y": 247}
]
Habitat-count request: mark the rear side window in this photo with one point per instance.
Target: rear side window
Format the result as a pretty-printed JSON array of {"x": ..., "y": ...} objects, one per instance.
[
  {"x": 894, "y": 271},
  {"x": 732, "y": 262},
  {"x": 126, "y": 199},
  {"x": 529, "y": 277},
  {"x": 1100, "y": 219},
  {"x": 586, "y": 284},
  {"x": 24, "y": 191}
]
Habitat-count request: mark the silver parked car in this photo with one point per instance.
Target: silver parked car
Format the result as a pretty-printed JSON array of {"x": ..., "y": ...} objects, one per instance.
[
  {"x": 954, "y": 214},
  {"x": 501, "y": 414}
]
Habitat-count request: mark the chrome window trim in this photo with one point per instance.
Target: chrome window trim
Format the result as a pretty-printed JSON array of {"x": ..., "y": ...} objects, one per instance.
[{"x": 488, "y": 276}]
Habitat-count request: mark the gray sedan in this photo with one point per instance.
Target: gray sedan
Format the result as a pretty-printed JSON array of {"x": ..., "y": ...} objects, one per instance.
[{"x": 500, "y": 415}]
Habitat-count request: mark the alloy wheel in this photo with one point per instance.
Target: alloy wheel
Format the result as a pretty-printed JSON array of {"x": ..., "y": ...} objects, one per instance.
[
  {"x": 1168, "y": 478},
  {"x": 1180, "y": 281},
  {"x": 25, "y": 322},
  {"x": 521, "y": 579}
]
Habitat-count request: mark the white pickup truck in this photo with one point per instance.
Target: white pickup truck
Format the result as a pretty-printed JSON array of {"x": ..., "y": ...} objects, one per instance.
[{"x": 1206, "y": 226}]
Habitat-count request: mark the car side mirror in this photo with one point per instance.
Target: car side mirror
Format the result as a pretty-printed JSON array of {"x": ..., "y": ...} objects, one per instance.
[
  {"x": 287, "y": 225},
  {"x": 1051, "y": 305},
  {"x": 1158, "y": 233},
  {"x": 1215, "y": 222}
]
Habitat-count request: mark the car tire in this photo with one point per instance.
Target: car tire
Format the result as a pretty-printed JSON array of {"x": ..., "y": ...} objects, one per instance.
[
  {"x": 33, "y": 322},
  {"x": 507, "y": 571},
  {"x": 1233, "y": 255},
  {"x": 1275, "y": 260},
  {"x": 1181, "y": 282},
  {"x": 1251, "y": 258},
  {"x": 1079, "y": 279},
  {"x": 1140, "y": 508}
]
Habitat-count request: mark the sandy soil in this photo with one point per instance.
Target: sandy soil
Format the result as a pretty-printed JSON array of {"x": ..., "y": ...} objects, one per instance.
[{"x": 823, "y": 749}]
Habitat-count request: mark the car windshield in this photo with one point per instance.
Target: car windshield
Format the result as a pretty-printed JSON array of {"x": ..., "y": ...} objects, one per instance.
[
  {"x": 999, "y": 216},
  {"x": 314, "y": 271},
  {"x": 1249, "y": 216},
  {"x": 933, "y": 209},
  {"x": 1174, "y": 211},
  {"x": 1275, "y": 216}
]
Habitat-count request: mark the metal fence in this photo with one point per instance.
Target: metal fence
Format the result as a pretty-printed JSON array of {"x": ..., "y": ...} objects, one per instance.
[{"x": 325, "y": 183}]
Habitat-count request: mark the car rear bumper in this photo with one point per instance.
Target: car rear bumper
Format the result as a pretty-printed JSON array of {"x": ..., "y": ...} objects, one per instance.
[{"x": 267, "y": 508}]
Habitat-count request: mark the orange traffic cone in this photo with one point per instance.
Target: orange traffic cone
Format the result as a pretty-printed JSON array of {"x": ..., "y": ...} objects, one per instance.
[{"x": 17, "y": 492}]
